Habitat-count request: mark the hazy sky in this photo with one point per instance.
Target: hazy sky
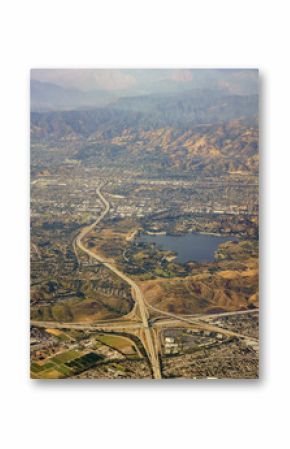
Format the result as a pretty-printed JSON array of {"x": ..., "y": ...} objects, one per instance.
[{"x": 138, "y": 79}]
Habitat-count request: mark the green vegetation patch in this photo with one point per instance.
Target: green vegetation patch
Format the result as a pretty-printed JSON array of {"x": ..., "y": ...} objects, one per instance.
[
  {"x": 64, "y": 370},
  {"x": 65, "y": 356},
  {"x": 35, "y": 367},
  {"x": 84, "y": 362}
]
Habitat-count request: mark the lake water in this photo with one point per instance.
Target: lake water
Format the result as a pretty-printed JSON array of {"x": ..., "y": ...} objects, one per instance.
[{"x": 188, "y": 247}]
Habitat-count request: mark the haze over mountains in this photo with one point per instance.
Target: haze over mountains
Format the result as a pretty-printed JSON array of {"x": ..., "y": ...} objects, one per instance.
[
  {"x": 63, "y": 89},
  {"x": 202, "y": 121}
]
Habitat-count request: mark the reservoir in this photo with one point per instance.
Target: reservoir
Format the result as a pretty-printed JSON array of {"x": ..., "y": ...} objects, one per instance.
[{"x": 188, "y": 247}]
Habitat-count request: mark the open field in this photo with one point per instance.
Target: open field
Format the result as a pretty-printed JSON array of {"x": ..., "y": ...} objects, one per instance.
[
  {"x": 63, "y": 365},
  {"x": 122, "y": 344}
]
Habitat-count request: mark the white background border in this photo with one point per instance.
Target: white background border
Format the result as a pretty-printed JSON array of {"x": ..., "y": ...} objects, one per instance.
[{"x": 136, "y": 414}]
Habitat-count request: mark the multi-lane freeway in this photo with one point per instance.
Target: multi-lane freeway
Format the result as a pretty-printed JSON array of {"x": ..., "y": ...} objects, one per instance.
[
  {"x": 136, "y": 291},
  {"x": 141, "y": 325},
  {"x": 164, "y": 322}
]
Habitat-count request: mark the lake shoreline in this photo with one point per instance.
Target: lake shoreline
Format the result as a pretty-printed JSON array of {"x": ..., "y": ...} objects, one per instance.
[{"x": 188, "y": 247}]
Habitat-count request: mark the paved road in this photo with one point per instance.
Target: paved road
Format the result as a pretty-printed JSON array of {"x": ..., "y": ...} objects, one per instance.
[
  {"x": 134, "y": 327},
  {"x": 202, "y": 324},
  {"x": 209, "y": 316},
  {"x": 108, "y": 326},
  {"x": 136, "y": 291},
  {"x": 128, "y": 324},
  {"x": 165, "y": 319}
]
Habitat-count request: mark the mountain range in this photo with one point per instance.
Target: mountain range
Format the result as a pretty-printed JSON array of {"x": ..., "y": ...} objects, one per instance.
[
  {"x": 187, "y": 122},
  {"x": 63, "y": 89}
]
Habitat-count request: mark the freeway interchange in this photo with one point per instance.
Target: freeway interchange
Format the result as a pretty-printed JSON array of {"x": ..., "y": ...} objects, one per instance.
[
  {"x": 138, "y": 321},
  {"x": 136, "y": 291}
]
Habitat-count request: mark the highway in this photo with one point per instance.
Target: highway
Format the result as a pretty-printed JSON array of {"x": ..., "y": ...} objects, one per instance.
[
  {"x": 131, "y": 327},
  {"x": 136, "y": 291},
  {"x": 202, "y": 324},
  {"x": 146, "y": 329}
]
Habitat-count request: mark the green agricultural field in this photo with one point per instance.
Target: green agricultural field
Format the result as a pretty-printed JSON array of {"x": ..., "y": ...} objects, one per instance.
[
  {"x": 84, "y": 362},
  {"x": 65, "y": 356},
  {"x": 64, "y": 365}
]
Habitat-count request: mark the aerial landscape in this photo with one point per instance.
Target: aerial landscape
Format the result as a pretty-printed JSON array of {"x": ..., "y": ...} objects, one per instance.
[{"x": 144, "y": 224}]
